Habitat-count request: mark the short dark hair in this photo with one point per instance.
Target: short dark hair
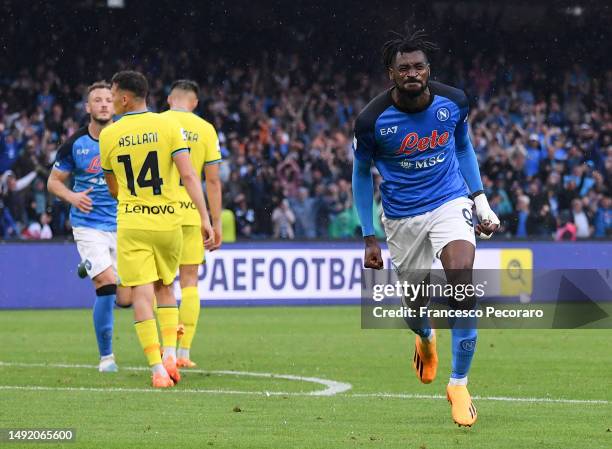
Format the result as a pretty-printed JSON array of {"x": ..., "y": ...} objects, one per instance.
[
  {"x": 188, "y": 85},
  {"x": 132, "y": 81},
  {"x": 416, "y": 41},
  {"x": 97, "y": 85}
]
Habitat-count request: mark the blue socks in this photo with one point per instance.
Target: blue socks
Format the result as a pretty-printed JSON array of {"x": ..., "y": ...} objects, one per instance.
[
  {"x": 463, "y": 346},
  {"x": 103, "y": 318}
]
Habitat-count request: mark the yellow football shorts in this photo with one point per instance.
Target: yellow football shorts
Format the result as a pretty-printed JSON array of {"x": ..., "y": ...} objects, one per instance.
[
  {"x": 145, "y": 256},
  {"x": 193, "y": 246}
]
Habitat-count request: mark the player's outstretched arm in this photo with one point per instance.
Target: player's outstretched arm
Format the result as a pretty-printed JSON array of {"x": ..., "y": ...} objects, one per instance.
[
  {"x": 192, "y": 184},
  {"x": 488, "y": 222},
  {"x": 56, "y": 184},
  {"x": 363, "y": 195},
  {"x": 213, "y": 192}
]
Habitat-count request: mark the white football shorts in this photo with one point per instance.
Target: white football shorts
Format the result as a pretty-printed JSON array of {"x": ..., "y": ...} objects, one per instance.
[
  {"x": 414, "y": 241},
  {"x": 98, "y": 249}
]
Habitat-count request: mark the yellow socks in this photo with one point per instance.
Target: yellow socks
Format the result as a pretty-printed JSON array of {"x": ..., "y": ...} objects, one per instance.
[
  {"x": 167, "y": 317},
  {"x": 188, "y": 315},
  {"x": 149, "y": 340}
]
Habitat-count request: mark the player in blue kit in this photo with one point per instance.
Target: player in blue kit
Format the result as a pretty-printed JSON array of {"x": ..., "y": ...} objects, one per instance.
[
  {"x": 93, "y": 214},
  {"x": 416, "y": 134}
]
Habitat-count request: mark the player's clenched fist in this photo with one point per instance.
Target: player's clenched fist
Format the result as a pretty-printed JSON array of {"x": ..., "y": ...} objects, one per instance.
[
  {"x": 373, "y": 256},
  {"x": 488, "y": 221},
  {"x": 218, "y": 236},
  {"x": 208, "y": 235}
]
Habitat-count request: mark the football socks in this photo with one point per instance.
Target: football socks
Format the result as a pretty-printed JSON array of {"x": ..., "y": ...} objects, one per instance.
[{"x": 103, "y": 318}]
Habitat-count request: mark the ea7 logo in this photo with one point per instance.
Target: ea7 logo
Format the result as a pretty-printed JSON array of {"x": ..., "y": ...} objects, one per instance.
[{"x": 390, "y": 130}]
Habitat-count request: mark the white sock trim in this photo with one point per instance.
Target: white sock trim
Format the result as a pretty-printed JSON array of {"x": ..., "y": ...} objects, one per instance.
[
  {"x": 159, "y": 368},
  {"x": 431, "y": 335},
  {"x": 169, "y": 351},
  {"x": 459, "y": 381}
]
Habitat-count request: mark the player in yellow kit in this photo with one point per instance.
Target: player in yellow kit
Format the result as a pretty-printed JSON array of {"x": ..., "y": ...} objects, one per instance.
[
  {"x": 138, "y": 154},
  {"x": 205, "y": 156}
]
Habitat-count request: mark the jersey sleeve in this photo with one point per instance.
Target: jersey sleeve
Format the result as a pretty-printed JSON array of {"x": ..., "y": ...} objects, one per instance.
[
  {"x": 105, "y": 162},
  {"x": 64, "y": 161},
  {"x": 176, "y": 138},
  {"x": 213, "y": 150},
  {"x": 364, "y": 142},
  {"x": 466, "y": 156}
]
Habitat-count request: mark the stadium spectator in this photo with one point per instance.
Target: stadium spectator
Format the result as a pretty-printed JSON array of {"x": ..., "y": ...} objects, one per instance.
[
  {"x": 540, "y": 129},
  {"x": 305, "y": 214},
  {"x": 245, "y": 216},
  {"x": 580, "y": 220},
  {"x": 566, "y": 230},
  {"x": 282, "y": 220},
  {"x": 39, "y": 229},
  {"x": 603, "y": 218}
]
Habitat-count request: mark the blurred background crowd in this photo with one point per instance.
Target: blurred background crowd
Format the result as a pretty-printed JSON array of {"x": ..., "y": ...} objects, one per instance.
[{"x": 283, "y": 105}]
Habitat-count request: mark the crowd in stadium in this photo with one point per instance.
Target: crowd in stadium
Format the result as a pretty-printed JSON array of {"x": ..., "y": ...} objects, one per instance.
[{"x": 544, "y": 143}]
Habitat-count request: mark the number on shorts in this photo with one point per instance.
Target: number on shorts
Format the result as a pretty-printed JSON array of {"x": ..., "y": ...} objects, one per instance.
[
  {"x": 150, "y": 165},
  {"x": 467, "y": 214}
]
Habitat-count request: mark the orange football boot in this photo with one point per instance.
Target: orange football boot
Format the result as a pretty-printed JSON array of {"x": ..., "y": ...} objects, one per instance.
[
  {"x": 161, "y": 380},
  {"x": 185, "y": 363},
  {"x": 170, "y": 365},
  {"x": 462, "y": 408},
  {"x": 425, "y": 361}
]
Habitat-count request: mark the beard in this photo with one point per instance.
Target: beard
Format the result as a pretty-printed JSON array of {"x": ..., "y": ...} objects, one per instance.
[
  {"x": 411, "y": 93},
  {"x": 102, "y": 121}
]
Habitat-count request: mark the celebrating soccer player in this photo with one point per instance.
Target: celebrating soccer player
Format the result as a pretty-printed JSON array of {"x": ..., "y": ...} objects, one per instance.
[
  {"x": 205, "y": 155},
  {"x": 416, "y": 133},
  {"x": 138, "y": 154},
  {"x": 93, "y": 214}
]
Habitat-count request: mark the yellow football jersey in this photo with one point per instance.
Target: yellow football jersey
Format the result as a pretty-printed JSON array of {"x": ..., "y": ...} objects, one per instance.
[
  {"x": 203, "y": 144},
  {"x": 138, "y": 149}
]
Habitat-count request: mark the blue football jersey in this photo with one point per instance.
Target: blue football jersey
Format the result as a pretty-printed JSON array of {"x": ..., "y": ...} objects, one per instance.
[
  {"x": 414, "y": 151},
  {"x": 80, "y": 155}
]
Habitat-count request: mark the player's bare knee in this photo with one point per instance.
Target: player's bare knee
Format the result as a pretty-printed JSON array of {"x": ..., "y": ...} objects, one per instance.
[
  {"x": 107, "y": 277},
  {"x": 458, "y": 262},
  {"x": 164, "y": 294},
  {"x": 124, "y": 297},
  {"x": 188, "y": 275}
]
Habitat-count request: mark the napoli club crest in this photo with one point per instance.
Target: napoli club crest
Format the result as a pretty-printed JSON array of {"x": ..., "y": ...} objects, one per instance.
[{"x": 443, "y": 114}]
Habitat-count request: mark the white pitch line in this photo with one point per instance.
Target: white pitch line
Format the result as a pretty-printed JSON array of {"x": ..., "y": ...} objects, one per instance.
[
  {"x": 481, "y": 398},
  {"x": 332, "y": 387},
  {"x": 279, "y": 393},
  {"x": 150, "y": 390}
]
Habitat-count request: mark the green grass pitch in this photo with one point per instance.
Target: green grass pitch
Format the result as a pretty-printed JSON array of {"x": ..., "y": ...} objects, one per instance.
[{"x": 120, "y": 410}]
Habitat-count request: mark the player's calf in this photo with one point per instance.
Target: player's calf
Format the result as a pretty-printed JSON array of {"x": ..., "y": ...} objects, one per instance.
[{"x": 103, "y": 326}]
